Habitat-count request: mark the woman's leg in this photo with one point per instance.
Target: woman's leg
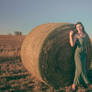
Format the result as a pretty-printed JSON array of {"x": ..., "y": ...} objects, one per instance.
[
  {"x": 85, "y": 79},
  {"x": 76, "y": 80}
]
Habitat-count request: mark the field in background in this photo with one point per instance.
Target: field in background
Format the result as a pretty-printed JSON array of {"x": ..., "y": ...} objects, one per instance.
[
  {"x": 13, "y": 76},
  {"x": 10, "y": 45}
]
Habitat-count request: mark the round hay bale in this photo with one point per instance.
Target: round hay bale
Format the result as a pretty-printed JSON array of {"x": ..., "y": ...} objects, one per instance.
[{"x": 47, "y": 54}]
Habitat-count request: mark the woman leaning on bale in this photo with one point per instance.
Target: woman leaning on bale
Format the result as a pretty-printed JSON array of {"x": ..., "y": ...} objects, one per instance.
[{"x": 79, "y": 39}]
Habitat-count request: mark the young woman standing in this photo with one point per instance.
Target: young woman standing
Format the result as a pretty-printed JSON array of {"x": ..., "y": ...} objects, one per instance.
[{"x": 79, "y": 38}]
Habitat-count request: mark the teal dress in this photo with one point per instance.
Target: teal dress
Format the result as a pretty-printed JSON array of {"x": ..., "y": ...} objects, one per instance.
[{"x": 80, "y": 62}]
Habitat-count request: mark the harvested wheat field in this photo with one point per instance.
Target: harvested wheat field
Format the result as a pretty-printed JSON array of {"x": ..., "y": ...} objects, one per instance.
[{"x": 13, "y": 75}]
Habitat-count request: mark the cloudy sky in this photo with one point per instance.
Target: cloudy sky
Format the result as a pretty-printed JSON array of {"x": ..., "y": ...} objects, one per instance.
[{"x": 24, "y": 15}]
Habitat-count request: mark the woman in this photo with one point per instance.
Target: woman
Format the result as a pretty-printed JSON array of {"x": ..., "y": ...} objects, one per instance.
[{"x": 79, "y": 38}]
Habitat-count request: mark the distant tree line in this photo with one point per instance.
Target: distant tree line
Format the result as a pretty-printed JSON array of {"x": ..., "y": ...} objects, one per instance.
[{"x": 16, "y": 33}]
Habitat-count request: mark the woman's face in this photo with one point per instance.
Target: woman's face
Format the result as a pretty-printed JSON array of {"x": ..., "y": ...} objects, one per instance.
[{"x": 79, "y": 27}]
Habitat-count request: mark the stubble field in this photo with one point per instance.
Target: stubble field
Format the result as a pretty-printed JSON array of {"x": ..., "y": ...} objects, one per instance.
[{"x": 13, "y": 76}]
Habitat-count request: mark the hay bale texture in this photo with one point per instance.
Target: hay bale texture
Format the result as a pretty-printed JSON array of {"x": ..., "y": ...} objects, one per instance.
[{"x": 47, "y": 54}]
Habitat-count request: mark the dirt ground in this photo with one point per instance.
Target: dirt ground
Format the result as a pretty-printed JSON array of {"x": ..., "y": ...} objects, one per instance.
[{"x": 15, "y": 78}]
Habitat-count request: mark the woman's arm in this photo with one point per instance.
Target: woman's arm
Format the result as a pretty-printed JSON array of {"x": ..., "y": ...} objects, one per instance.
[{"x": 72, "y": 40}]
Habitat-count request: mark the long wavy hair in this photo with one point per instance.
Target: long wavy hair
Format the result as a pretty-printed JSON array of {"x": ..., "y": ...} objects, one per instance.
[{"x": 83, "y": 29}]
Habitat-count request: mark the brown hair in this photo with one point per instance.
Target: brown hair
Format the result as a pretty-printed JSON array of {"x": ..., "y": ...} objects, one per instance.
[
  {"x": 82, "y": 27},
  {"x": 75, "y": 30}
]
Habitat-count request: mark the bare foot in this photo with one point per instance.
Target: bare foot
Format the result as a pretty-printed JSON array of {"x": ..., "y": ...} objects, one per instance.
[{"x": 73, "y": 87}]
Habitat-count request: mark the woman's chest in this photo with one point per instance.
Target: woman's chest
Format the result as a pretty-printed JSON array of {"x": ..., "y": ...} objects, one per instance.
[{"x": 81, "y": 41}]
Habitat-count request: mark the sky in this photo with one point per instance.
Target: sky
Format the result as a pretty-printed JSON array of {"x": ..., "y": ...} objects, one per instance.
[{"x": 24, "y": 15}]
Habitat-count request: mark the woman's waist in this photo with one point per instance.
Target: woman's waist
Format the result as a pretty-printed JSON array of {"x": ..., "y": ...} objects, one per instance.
[
  {"x": 80, "y": 52},
  {"x": 81, "y": 49}
]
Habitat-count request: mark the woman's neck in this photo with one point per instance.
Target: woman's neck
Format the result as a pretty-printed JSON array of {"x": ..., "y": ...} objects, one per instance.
[{"x": 81, "y": 34}]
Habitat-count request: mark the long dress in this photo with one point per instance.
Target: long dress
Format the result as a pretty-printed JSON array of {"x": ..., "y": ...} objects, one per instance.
[{"x": 80, "y": 62}]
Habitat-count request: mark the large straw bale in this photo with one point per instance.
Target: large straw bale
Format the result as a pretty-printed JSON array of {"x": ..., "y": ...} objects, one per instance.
[{"x": 47, "y": 54}]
